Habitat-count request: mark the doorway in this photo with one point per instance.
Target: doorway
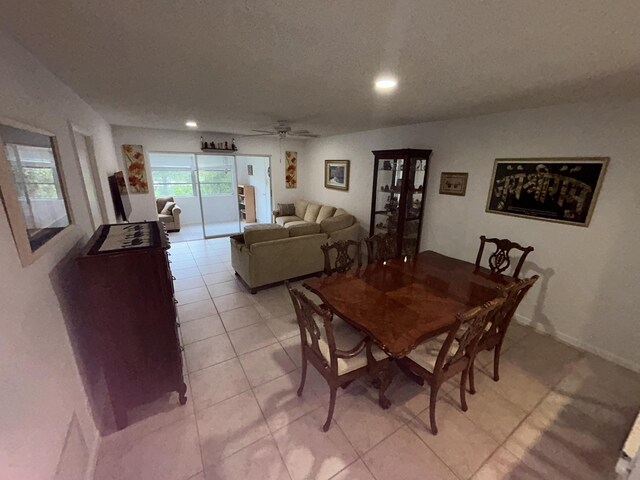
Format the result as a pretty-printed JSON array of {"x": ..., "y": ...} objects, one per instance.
[
  {"x": 211, "y": 191},
  {"x": 90, "y": 181}
]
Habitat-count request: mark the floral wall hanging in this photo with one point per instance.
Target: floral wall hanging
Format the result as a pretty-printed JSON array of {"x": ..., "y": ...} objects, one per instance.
[
  {"x": 291, "y": 173},
  {"x": 136, "y": 173}
]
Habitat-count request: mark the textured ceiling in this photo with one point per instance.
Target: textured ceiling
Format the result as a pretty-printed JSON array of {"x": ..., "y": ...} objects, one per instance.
[{"x": 237, "y": 65}]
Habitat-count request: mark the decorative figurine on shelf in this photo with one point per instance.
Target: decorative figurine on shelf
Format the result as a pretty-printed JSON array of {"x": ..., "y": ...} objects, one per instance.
[
  {"x": 226, "y": 145},
  {"x": 233, "y": 144},
  {"x": 386, "y": 165},
  {"x": 202, "y": 143}
]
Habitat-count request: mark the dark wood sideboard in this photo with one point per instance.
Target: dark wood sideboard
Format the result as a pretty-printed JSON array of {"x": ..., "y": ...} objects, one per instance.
[{"x": 131, "y": 316}]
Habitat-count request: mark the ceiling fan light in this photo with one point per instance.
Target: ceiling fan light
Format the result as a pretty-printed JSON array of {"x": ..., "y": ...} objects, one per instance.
[{"x": 386, "y": 84}]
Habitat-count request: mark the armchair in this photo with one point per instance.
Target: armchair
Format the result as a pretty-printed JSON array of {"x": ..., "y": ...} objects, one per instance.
[{"x": 170, "y": 217}]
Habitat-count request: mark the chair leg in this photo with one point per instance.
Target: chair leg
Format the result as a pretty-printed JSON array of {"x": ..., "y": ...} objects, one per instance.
[
  {"x": 304, "y": 375},
  {"x": 496, "y": 363},
  {"x": 433, "y": 397},
  {"x": 472, "y": 378},
  {"x": 332, "y": 406},
  {"x": 463, "y": 390}
]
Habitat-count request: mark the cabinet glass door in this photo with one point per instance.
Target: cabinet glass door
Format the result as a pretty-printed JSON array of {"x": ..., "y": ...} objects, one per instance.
[
  {"x": 388, "y": 193},
  {"x": 413, "y": 205}
]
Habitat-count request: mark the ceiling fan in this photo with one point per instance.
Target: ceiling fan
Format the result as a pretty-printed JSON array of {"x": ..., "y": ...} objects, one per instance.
[{"x": 282, "y": 130}]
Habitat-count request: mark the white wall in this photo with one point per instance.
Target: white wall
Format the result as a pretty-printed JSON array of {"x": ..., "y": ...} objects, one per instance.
[
  {"x": 590, "y": 275},
  {"x": 154, "y": 140},
  {"x": 41, "y": 387}
]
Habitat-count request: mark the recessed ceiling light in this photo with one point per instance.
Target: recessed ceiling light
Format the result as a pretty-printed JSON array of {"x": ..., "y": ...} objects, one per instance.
[
  {"x": 191, "y": 124},
  {"x": 386, "y": 84}
]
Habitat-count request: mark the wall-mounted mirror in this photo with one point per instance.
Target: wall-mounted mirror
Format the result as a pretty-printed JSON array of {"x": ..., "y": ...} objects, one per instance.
[{"x": 32, "y": 188}]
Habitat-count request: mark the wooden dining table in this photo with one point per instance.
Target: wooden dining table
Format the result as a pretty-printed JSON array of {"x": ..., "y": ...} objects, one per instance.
[{"x": 402, "y": 302}]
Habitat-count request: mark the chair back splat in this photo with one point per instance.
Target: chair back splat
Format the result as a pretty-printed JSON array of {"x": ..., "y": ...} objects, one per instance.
[
  {"x": 343, "y": 261},
  {"x": 381, "y": 247},
  {"x": 499, "y": 260}
]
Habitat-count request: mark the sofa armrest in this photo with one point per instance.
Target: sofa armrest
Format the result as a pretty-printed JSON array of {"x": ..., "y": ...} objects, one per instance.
[
  {"x": 176, "y": 217},
  {"x": 276, "y": 214},
  {"x": 349, "y": 233}
]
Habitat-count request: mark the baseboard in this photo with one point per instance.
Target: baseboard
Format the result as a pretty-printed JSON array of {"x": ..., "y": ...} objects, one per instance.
[
  {"x": 574, "y": 342},
  {"x": 93, "y": 459}
]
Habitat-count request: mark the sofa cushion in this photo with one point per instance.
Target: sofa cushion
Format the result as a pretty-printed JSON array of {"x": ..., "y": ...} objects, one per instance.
[
  {"x": 302, "y": 228},
  {"x": 339, "y": 211},
  {"x": 290, "y": 218},
  {"x": 333, "y": 224},
  {"x": 312, "y": 212},
  {"x": 301, "y": 208},
  {"x": 297, "y": 222},
  {"x": 165, "y": 218},
  {"x": 264, "y": 233},
  {"x": 161, "y": 202},
  {"x": 325, "y": 212},
  {"x": 286, "y": 209},
  {"x": 168, "y": 208}
]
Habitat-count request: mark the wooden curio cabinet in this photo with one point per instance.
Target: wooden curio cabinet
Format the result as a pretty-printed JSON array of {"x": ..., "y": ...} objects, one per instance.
[{"x": 399, "y": 193}]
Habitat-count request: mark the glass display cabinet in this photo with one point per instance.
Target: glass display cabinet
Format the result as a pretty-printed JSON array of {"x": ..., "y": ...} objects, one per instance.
[{"x": 399, "y": 192}]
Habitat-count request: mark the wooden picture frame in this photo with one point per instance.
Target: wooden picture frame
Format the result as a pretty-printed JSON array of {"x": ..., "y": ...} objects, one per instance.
[
  {"x": 453, "y": 183},
  {"x": 561, "y": 190},
  {"x": 336, "y": 174}
]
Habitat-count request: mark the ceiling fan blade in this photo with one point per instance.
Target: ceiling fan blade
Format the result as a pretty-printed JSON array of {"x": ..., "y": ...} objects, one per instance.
[
  {"x": 271, "y": 134},
  {"x": 309, "y": 135},
  {"x": 264, "y": 131}
]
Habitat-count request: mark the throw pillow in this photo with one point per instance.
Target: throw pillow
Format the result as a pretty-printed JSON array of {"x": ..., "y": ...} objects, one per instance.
[
  {"x": 325, "y": 212},
  {"x": 312, "y": 213},
  {"x": 286, "y": 209},
  {"x": 168, "y": 208},
  {"x": 301, "y": 208}
]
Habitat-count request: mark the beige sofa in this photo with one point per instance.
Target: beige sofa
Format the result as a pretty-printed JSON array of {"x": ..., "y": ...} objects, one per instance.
[
  {"x": 171, "y": 220},
  {"x": 290, "y": 247}
]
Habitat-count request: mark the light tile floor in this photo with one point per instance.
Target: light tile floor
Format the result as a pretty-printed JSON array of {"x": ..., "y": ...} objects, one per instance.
[{"x": 557, "y": 413}]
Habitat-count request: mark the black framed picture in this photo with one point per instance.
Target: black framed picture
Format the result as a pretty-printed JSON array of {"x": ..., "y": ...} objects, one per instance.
[{"x": 561, "y": 190}]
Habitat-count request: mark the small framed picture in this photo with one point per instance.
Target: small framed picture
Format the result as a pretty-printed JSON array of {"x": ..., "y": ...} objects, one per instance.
[
  {"x": 250, "y": 169},
  {"x": 336, "y": 174},
  {"x": 453, "y": 183}
]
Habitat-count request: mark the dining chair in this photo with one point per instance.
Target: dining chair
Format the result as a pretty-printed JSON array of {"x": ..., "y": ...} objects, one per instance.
[
  {"x": 341, "y": 354},
  {"x": 499, "y": 260},
  {"x": 381, "y": 247},
  {"x": 497, "y": 328},
  {"x": 343, "y": 262},
  {"x": 443, "y": 357}
]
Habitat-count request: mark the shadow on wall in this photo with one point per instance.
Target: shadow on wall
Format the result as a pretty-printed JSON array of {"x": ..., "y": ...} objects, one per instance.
[
  {"x": 66, "y": 282},
  {"x": 538, "y": 319}
]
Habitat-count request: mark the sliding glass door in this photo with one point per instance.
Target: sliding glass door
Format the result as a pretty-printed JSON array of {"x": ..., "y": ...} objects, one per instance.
[
  {"x": 217, "y": 185},
  {"x": 212, "y": 189}
]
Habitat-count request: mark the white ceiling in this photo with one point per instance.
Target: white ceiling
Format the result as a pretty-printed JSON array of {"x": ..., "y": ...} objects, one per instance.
[{"x": 236, "y": 65}]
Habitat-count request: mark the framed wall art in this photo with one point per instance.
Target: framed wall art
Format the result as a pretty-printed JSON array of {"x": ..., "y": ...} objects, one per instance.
[
  {"x": 453, "y": 183},
  {"x": 336, "y": 174},
  {"x": 136, "y": 172},
  {"x": 291, "y": 172},
  {"x": 32, "y": 188},
  {"x": 561, "y": 190}
]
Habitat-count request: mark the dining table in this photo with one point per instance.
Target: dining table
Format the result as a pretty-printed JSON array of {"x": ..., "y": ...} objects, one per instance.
[{"x": 402, "y": 302}]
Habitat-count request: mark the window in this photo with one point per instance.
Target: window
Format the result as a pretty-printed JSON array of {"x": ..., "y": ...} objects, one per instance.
[
  {"x": 216, "y": 182},
  {"x": 176, "y": 175}
]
